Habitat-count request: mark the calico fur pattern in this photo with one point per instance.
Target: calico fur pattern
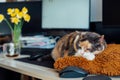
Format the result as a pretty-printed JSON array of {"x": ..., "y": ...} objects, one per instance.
[{"x": 72, "y": 44}]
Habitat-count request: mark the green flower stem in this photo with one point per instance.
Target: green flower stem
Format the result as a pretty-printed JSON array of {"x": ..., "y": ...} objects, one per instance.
[
  {"x": 21, "y": 23},
  {"x": 9, "y": 24},
  {"x": 16, "y": 33}
]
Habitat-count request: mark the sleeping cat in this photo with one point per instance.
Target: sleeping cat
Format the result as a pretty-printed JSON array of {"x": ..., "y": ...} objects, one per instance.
[{"x": 85, "y": 44}]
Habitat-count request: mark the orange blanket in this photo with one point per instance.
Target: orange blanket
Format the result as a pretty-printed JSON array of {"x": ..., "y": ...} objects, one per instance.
[{"x": 107, "y": 62}]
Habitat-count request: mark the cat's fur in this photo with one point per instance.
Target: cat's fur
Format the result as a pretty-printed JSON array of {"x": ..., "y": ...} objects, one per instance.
[{"x": 79, "y": 43}]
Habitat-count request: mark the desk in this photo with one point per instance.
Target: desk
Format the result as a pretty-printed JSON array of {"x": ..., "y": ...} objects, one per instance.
[{"x": 36, "y": 71}]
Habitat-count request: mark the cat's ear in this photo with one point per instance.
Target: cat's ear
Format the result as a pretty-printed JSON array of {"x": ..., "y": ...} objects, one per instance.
[{"x": 101, "y": 39}]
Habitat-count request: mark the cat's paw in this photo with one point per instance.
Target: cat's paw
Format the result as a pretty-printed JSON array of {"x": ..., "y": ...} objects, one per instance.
[{"x": 89, "y": 56}]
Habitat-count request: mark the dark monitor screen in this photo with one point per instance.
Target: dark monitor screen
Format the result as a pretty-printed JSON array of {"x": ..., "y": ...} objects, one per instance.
[
  {"x": 34, "y": 9},
  {"x": 111, "y": 12}
]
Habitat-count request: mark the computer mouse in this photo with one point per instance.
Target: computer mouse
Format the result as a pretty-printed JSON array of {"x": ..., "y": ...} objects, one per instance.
[
  {"x": 97, "y": 77},
  {"x": 72, "y": 72}
]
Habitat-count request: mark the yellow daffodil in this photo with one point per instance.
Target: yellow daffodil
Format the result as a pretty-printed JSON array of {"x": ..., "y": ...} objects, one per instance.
[
  {"x": 1, "y": 17},
  {"x": 19, "y": 15},
  {"x": 16, "y": 10},
  {"x": 13, "y": 15},
  {"x": 10, "y": 11},
  {"x": 15, "y": 20},
  {"x": 24, "y": 10},
  {"x": 26, "y": 17}
]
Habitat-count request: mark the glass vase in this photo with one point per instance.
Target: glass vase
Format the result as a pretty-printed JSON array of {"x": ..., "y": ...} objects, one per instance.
[
  {"x": 12, "y": 49},
  {"x": 15, "y": 46},
  {"x": 17, "y": 43}
]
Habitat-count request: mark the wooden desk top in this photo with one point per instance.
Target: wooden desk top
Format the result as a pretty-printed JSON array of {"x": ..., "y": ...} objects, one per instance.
[{"x": 36, "y": 71}]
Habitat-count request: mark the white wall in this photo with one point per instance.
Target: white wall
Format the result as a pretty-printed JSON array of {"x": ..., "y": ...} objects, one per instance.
[
  {"x": 96, "y": 10},
  {"x": 2, "y": 0}
]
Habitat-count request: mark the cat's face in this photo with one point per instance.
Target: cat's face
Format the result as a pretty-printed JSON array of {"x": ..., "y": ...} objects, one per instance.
[{"x": 92, "y": 43}]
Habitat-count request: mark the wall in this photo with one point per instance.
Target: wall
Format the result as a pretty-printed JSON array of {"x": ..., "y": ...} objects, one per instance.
[{"x": 2, "y": 0}]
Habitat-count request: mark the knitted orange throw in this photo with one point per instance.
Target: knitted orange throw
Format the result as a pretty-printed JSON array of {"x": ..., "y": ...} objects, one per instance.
[{"x": 107, "y": 63}]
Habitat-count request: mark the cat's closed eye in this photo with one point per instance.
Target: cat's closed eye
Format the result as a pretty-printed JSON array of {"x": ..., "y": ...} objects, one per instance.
[
  {"x": 98, "y": 47},
  {"x": 88, "y": 49}
]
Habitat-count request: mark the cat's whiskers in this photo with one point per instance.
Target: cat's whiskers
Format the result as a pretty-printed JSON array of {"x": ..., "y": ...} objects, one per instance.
[{"x": 80, "y": 52}]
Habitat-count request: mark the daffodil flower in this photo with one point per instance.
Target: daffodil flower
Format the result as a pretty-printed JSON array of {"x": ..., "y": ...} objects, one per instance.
[
  {"x": 24, "y": 10},
  {"x": 19, "y": 15},
  {"x": 16, "y": 10},
  {"x": 26, "y": 17},
  {"x": 1, "y": 17},
  {"x": 15, "y": 20},
  {"x": 10, "y": 11}
]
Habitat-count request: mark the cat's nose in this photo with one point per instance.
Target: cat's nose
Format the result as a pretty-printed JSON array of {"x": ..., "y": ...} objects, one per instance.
[{"x": 86, "y": 51}]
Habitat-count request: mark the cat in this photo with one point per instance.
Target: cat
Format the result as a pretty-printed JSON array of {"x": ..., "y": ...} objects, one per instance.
[{"x": 79, "y": 43}]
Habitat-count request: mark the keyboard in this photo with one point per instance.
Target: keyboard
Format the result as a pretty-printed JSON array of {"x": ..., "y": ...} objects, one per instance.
[{"x": 32, "y": 51}]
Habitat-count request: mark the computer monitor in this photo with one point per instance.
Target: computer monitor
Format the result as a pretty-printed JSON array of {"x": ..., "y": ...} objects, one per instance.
[
  {"x": 111, "y": 13},
  {"x": 65, "y": 14},
  {"x": 34, "y": 9}
]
